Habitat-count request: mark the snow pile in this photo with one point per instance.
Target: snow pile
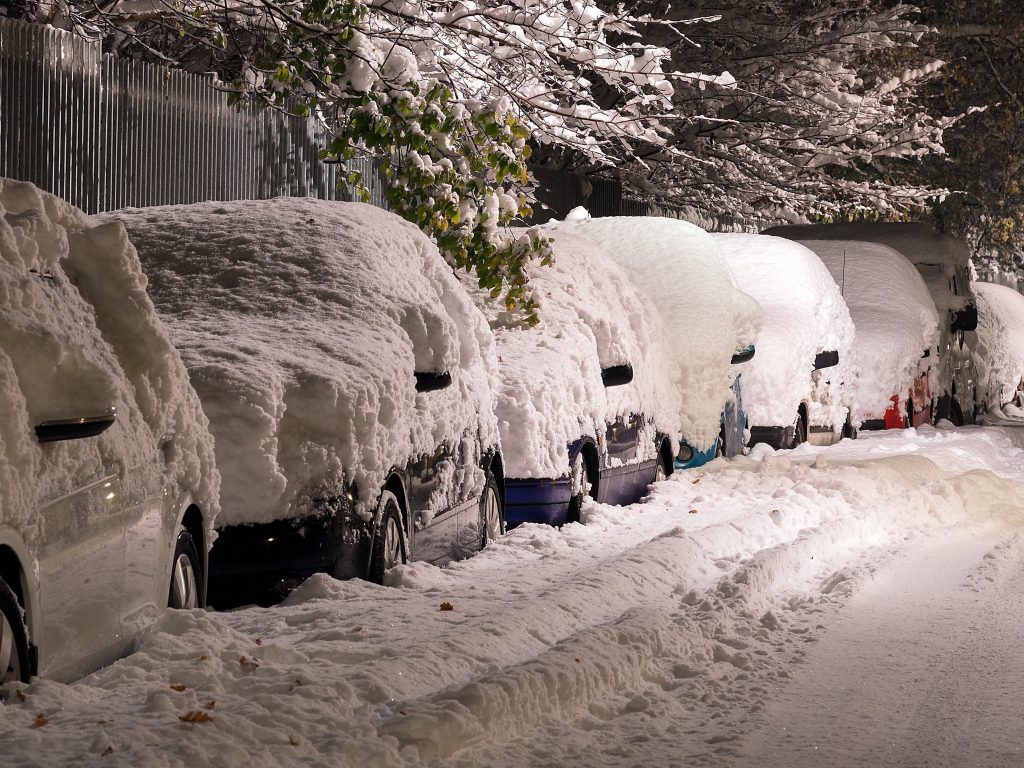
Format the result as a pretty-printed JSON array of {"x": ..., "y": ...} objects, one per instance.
[
  {"x": 653, "y": 630},
  {"x": 301, "y": 323},
  {"x": 679, "y": 267},
  {"x": 804, "y": 314},
  {"x": 893, "y": 314},
  {"x": 937, "y": 256},
  {"x": 78, "y": 335},
  {"x": 1000, "y": 351},
  {"x": 550, "y": 390}
]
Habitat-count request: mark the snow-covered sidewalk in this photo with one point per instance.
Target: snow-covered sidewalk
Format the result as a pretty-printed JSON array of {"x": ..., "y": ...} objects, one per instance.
[{"x": 665, "y": 631}]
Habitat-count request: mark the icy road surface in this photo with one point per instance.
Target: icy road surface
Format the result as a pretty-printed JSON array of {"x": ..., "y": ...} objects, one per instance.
[{"x": 859, "y": 605}]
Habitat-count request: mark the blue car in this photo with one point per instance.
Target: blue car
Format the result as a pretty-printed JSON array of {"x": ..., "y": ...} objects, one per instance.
[{"x": 731, "y": 439}]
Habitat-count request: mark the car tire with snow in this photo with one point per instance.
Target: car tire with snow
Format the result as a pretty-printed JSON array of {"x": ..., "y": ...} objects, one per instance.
[
  {"x": 186, "y": 587},
  {"x": 14, "y": 658},
  {"x": 582, "y": 485},
  {"x": 799, "y": 430},
  {"x": 492, "y": 511},
  {"x": 388, "y": 548}
]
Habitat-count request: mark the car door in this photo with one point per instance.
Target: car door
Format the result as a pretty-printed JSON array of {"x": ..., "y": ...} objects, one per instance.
[
  {"x": 435, "y": 517},
  {"x": 623, "y": 481}
]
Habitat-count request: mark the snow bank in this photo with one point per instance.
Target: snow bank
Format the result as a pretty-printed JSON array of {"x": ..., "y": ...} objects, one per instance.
[
  {"x": 804, "y": 314},
  {"x": 679, "y": 267},
  {"x": 550, "y": 391},
  {"x": 893, "y": 314},
  {"x": 1000, "y": 351},
  {"x": 301, "y": 323},
  {"x": 78, "y": 335},
  {"x": 653, "y": 630}
]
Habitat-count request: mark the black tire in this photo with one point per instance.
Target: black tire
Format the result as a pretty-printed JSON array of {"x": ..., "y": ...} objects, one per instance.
[
  {"x": 388, "y": 547},
  {"x": 186, "y": 588},
  {"x": 799, "y": 431},
  {"x": 910, "y": 413},
  {"x": 956, "y": 414},
  {"x": 14, "y": 658},
  {"x": 849, "y": 430},
  {"x": 721, "y": 449},
  {"x": 587, "y": 487},
  {"x": 492, "y": 511}
]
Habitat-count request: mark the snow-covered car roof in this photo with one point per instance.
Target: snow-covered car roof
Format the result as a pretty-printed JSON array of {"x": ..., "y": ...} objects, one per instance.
[
  {"x": 302, "y": 323},
  {"x": 550, "y": 392},
  {"x": 679, "y": 266},
  {"x": 893, "y": 313},
  {"x": 936, "y": 255},
  {"x": 1000, "y": 350},
  {"x": 100, "y": 344},
  {"x": 804, "y": 314}
]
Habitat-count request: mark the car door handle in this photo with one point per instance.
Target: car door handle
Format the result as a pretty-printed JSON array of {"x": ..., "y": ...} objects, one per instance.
[{"x": 75, "y": 429}]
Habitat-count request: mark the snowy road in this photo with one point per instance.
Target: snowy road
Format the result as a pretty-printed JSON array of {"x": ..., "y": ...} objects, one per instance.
[{"x": 852, "y": 606}]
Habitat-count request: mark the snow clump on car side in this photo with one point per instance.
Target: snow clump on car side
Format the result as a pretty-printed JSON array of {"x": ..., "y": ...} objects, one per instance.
[
  {"x": 804, "y": 314},
  {"x": 681, "y": 273},
  {"x": 1000, "y": 351},
  {"x": 301, "y": 323},
  {"x": 550, "y": 391},
  {"x": 78, "y": 335},
  {"x": 893, "y": 314}
]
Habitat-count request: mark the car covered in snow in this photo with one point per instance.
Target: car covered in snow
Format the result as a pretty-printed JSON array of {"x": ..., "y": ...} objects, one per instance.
[
  {"x": 896, "y": 332},
  {"x": 108, "y": 489},
  {"x": 585, "y": 401},
  {"x": 944, "y": 263},
  {"x": 711, "y": 324},
  {"x": 799, "y": 385},
  {"x": 1000, "y": 350},
  {"x": 348, "y": 380}
]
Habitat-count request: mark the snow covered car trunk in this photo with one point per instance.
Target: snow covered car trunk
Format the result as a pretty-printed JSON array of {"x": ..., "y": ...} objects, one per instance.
[
  {"x": 107, "y": 479},
  {"x": 1000, "y": 350},
  {"x": 680, "y": 271},
  {"x": 347, "y": 378},
  {"x": 585, "y": 401},
  {"x": 944, "y": 263},
  {"x": 896, "y": 328},
  {"x": 799, "y": 384}
]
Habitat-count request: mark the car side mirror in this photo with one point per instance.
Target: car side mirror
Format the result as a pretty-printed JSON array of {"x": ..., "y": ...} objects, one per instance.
[
  {"x": 965, "y": 320},
  {"x": 617, "y": 375},
  {"x": 75, "y": 429},
  {"x": 744, "y": 355},
  {"x": 826, "y": 359},
  {"x": 430, "y": 381}
]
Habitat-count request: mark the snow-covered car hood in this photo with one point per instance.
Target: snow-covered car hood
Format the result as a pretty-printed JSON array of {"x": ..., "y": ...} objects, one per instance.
[
  {"x": 893, "y": 314},
  {"x": 550, "y": 391},
  {"x": 104, "y": 347},
  {"x": 679, "y": 270},
  {"x": 1000, "y": 350},
  {"x": 302, "y": 323},
  {"x": 804, "y": 314}
]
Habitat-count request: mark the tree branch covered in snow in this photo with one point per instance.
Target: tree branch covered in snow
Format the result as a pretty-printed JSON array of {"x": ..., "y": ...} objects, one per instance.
[{"x": 446, "y": 93}]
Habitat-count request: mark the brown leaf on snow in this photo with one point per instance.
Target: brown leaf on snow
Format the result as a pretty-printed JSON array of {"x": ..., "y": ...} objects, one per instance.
[
  {"x": 195, "y": 716},
  {"x": 211, "y": 704},
  {"x": 693, "y": 511},
  {"x": 446, "y": 606},
  {"x": 293, "y": 741},
  {"x": 40, "y": 721},
  {"x": 204, "y": 657},
  {"x": 107, "y": 751},
  {"x": 248, "y": 663},
  {"x": 259, "y": 641},
  {"x": 21, "y": 695},
  {"x": 696, "y": 481},
  {"x": 179, "y": 687}
]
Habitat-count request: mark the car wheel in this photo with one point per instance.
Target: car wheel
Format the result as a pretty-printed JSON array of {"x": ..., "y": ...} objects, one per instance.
[
  {"x": 186, "y": 574},
  {"x": 492, "y": 511},
  {"x": 388, "y": 548},
  {"x": 720, "y": 443},
  {"x": 910, "y": 413},
  {"x": 799, "y": 431},
  {"x": 956, "y": 414},
  {"x": 582, "y": 485},
  {"x": 14, "y": 661}
]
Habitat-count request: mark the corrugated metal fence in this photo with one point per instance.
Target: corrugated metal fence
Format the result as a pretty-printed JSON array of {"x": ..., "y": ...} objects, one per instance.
[{"x": 106, "y": 133}]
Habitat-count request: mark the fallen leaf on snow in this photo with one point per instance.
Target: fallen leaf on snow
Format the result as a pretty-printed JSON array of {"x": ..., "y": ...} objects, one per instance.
[
  {"x": 211, "y": 704},
  {"x": 40, "y": 721},
  {"x": 248, "y": 663},
  {"x": 693, "y": 511},
  {"x": 195, "y": 716},
  {"x": 107, "y": 751},
  {"x": 21, "y": 696},
  {"x": 446, "y": 606},
  {"x": 179, "y": 687},
  {"x": 293, "y": 741}
]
